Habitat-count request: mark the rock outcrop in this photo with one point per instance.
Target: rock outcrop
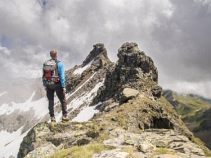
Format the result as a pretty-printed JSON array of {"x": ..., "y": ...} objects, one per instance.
[
  {"x": 134, "y": 120},
  {"x": 133, "y": 70},
  {"x": 98, "y": 55},
  {"x": 97, "y": 60}
]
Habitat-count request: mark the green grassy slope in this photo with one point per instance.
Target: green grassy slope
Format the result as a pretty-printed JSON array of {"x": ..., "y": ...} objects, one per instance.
[{"x": 195, "y": 111}]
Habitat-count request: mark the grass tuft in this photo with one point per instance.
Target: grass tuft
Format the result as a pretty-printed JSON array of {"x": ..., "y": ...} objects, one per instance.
[{"x": 85, "y": 151}]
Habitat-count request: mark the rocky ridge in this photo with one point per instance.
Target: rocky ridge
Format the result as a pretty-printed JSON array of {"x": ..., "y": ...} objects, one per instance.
[
  {"x": 133, "y": 119},
  {"x": 133, "y": 71},
  {"x": 83, "y": 79}
]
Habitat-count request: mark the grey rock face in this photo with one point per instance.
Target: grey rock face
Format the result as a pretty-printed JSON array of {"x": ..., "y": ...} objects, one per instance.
[
  {"x": 156, "y": 91},
  {"x": 98, "y": 61},
  {"x": 98, "y": 55},
  {"x": 133, "y": 70},
  {"x": 131, "y": 56}
]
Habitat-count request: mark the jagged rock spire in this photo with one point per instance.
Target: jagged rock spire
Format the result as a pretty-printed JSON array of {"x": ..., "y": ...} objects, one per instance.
[
  {"x": 96, "y": 61},
  {"x": 131, "y": 56},
  {"x": 133, "y": 70},
  {"x": 98, "y": 55}
]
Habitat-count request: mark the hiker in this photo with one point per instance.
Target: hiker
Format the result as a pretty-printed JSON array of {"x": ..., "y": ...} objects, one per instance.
[{"x": 54, "y": 81}]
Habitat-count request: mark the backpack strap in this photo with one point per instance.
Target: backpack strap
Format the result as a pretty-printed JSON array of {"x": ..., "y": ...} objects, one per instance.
[{"x": 56, "y": 71}]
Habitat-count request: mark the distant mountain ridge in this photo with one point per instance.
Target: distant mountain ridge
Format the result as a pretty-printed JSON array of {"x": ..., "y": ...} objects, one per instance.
[{"x": 195, "y": 111}]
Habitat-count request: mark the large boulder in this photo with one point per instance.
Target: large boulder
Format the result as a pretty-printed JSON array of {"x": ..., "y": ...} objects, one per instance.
[{"x": 129, "y": 93}]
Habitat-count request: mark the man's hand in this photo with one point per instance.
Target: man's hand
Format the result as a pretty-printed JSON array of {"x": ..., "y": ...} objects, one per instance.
[{"x": 64, "y": 90}]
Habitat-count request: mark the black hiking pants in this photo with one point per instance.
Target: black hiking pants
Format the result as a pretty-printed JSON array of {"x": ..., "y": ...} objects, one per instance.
[{"x": 60, "y": 94}]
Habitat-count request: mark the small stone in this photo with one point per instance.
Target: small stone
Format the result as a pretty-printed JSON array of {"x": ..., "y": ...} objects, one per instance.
[
  {"x": 146, "y": 147},
  {"x": 83, "y": 141},
  {"x": 92, "y": 134},
  {"x": 161, "y": 144},
  {"x": 156, "y": 91}
]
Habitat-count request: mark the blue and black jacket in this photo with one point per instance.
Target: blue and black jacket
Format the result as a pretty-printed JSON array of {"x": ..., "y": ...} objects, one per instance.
[{"x": 61, "y": 73}]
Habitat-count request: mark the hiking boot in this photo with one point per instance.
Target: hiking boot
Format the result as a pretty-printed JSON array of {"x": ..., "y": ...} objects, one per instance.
[
  {"x": 53, "y": 119},
  {"x": 65, "y": 119}
]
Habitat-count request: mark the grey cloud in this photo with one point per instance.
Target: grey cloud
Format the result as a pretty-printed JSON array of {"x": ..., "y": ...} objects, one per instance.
[
  {"x": 175, "y": 33},
  {"x": 185, "y": 41}
]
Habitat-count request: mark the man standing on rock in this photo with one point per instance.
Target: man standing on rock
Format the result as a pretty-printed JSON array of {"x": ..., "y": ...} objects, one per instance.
[{"x": 54, "y": 81}]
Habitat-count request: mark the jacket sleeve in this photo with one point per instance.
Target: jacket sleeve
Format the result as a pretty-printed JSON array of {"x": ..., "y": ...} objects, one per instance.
[
  {"x": 61, "y": 74},
  {"x": 43, "y": 76}
]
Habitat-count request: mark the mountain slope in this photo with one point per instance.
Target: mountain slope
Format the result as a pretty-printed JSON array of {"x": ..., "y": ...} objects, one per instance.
[
  {"x": 118, "y": 132},
  {"x": 15, "y": 110},
  {"x": 195, "y": 112},
  {"x": 23, "y": 100},
  {"x": 131, "y": 119}
]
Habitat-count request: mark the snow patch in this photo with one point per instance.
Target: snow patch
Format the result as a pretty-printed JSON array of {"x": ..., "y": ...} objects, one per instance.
[
  {"x": 10, "y": 142},
  {"x": 80, "y": 70},
  {"x": 7, "y": 137},
  {"x": 77, "y": 101},
  {"x": 39, "y": 106},
  {"x": 69, "y": 95},
  {"x": 85, "y": 98},
  {"x": 13, "y": 145},
  {"x": 86, "y": 113}
]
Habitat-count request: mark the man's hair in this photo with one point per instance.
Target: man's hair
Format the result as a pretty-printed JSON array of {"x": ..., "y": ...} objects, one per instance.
[{"x": 53, "y": 53}]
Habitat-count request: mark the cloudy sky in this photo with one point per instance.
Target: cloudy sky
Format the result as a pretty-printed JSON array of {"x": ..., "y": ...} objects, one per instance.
[{"x": 175, "y": 33}]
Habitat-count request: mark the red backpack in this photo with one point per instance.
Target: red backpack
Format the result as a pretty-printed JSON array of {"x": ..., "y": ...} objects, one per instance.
[{"x": 50, "y": 73}]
